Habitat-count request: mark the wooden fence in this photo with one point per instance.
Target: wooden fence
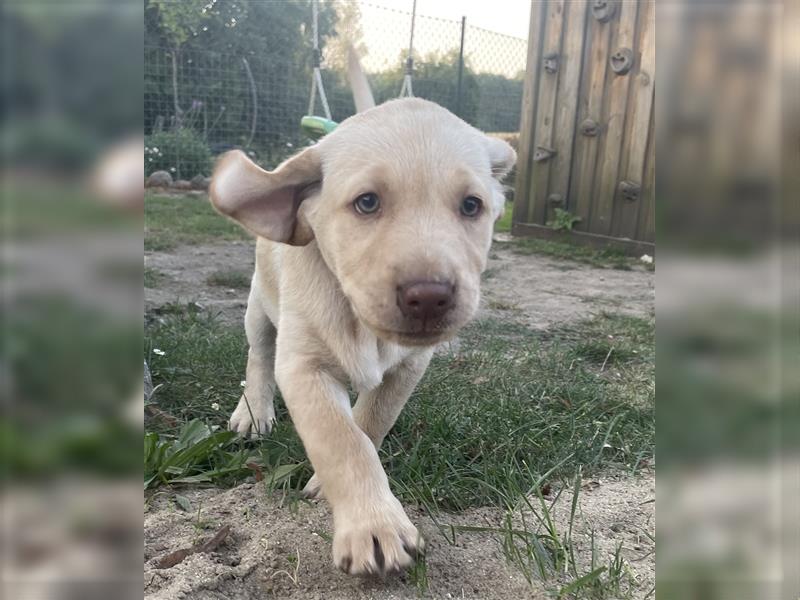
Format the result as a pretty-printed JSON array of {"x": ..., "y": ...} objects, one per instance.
[{"x": 586, "y": 137}]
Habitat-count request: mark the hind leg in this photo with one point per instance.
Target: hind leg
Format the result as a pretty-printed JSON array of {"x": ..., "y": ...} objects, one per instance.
[{"x": 255, "y": 412}]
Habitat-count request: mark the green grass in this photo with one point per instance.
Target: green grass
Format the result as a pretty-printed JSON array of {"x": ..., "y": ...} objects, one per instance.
[
  {"x": 532, "y": 542},
  {"x": 609, "y": 258},
  {"x": 230, "y": 279},
  {"x": 153, "y": 277},
  {"x": 171, "y": 221},
  {"x": 581, "y": 396}
]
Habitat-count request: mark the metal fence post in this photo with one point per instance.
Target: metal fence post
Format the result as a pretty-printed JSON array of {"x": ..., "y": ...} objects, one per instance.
[{"x": 460, "y": 66}]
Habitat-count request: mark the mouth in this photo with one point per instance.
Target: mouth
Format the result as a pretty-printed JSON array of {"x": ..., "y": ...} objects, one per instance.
[
  {"x": 415, "y": 338},
  {"x": 413, "y": 332}
]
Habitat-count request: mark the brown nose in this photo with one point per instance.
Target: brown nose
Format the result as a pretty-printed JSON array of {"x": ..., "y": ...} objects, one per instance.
[{"x": 425, "y": 299}]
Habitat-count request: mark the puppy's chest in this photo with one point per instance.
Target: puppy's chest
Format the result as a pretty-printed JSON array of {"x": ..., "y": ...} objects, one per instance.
[{"x": 371, "y": 360}]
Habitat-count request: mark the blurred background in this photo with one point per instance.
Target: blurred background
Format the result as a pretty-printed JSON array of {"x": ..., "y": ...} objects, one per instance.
[
  {"x": 727, "y": 300},
  {"x": 70, "y": 142},
  {"x": 81, "y": 118}
]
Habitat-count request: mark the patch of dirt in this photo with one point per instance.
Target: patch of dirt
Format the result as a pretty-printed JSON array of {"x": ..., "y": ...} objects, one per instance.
[
  {"x": 544, "y": 291},
  {"x": 540, "y": 291},
  {"x": 282, "y": 551},
  {"x": 185, "y": 273},
  {"x": 619, "y": 510},
  {"x": 276, "y": 550}
]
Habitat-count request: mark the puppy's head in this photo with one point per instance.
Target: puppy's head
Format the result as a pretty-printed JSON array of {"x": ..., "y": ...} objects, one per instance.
[{"x": 400, "y": 200}]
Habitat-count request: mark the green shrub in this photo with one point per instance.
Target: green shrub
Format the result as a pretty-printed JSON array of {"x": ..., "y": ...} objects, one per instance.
[{"x": 183, "y": 153}]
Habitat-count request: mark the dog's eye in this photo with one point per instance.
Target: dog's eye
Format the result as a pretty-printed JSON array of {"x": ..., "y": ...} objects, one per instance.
[
  {"x": 366, "y": 204},
  {"x": 471, "y": 206}
]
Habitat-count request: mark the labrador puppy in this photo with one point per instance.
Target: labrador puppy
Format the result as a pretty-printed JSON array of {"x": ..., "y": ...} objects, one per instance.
[{"x": 370, "y": 248}]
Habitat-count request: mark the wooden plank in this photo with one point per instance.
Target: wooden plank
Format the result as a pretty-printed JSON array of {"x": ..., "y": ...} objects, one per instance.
[
  {"x": 594, "y": 240},
  {"x": 528, "y": 114},
  {"x": 546, "y": 113},
  {"x": 646, "y": 226},
  {"x": 590, "y": 105},
  {"x": 615, "y": 114},
  {"x": 634, "y": 148},
  {"x": 567, "y": 109}
]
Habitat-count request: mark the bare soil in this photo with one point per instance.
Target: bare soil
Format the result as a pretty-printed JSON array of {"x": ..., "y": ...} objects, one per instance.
[
  {"x": 540, "y": 291},
  {"x": 283, "y": 550}
]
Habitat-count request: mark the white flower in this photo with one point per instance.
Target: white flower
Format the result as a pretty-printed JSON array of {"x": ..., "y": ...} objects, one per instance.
[
  {"x": 154, "y": 149},
  {"x": 158, "y": 351},
  {"x": 172, "y": 169},
  {"x": 646, "y": 258},
  {"x": 289, "y": 145},
  {"x": 214, "y": 406},
  {"x": 242, "y": 383}
]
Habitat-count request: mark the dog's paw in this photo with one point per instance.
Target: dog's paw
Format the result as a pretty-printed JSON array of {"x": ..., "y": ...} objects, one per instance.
[
  {"x": 375, "y": 540},
  {"x": 254, "y": 419},
  {"x": 313, "y": 489}
]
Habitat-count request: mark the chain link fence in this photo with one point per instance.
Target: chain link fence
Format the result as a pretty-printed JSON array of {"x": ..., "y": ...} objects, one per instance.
[{"x": 207, "y": 96}]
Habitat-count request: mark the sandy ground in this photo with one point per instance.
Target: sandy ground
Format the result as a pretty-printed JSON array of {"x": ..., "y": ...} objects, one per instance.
[
  {"x": 279, "y": 550},
  {"x": 260, "y": 556}
]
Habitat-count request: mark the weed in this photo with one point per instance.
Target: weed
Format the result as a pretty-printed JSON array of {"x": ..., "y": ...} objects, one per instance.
[
  {"x": 230, "y": 279},
  {"x": 197, "y": 454},
  {"x": 563, "y": 220},
  {"x": 153, "y": 277},
  {"x": 419, "y": 575},
  {"x": 294, "y": 561},
  {"x": 500, "y": 305}
]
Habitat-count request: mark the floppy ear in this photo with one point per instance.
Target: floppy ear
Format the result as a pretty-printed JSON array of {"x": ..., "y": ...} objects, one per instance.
[
  {"x": 266, "y": 202},
  {"x": 502, "y": 156}
]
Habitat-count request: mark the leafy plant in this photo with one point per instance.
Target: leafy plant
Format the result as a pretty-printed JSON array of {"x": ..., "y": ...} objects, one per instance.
[
  {"x": 183, "y": 153},
  {"x": 202, "y": 454},
  {"x": 563, "y": 220}
]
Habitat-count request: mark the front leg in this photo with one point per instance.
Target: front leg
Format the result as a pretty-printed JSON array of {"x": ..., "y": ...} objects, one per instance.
[
  {"x": 372, "y": 534},
  {"x": 377, "y": 410}
]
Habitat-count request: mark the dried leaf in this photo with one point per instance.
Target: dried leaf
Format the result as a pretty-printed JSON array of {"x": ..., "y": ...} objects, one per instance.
[
  {"x": 257, "y": 472},
  {"x": 178, "y": 556}
]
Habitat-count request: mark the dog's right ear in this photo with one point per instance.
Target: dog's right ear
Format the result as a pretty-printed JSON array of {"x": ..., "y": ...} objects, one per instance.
[{"x": 267, "y": 202}]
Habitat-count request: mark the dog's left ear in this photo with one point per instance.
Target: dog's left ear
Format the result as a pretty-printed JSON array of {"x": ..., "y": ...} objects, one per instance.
[
  {"x": 501, "y": 155},
  {"x": 267, "y": 203}
]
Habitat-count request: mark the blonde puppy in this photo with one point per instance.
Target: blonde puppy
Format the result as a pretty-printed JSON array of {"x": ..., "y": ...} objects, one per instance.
[{"x": 370, "y": 247}]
